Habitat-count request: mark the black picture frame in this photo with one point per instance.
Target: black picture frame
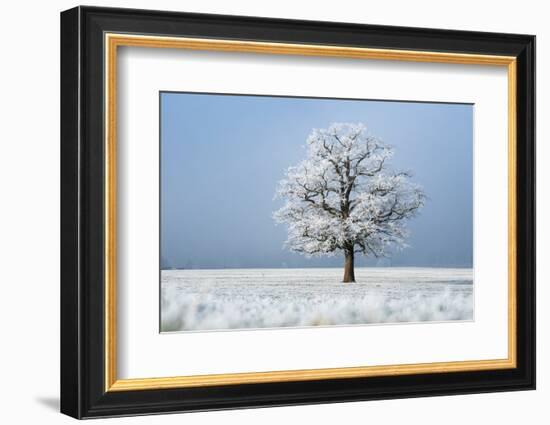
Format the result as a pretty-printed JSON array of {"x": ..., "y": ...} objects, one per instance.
[{"x": 83, "y": 392}]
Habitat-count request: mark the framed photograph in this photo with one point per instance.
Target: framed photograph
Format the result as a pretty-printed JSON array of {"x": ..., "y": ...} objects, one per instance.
[{"x": 261, "y": 212}]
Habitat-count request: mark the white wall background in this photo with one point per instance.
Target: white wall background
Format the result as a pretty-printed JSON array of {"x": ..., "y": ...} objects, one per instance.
[{"x": 29, "y": 224}]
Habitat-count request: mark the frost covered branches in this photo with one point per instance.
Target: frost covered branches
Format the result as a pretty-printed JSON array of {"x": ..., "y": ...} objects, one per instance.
[{"x": 345, "y": 198}]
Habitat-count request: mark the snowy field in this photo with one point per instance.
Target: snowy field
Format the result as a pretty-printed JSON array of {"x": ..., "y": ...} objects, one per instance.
[{"x": 269, "y": 298}]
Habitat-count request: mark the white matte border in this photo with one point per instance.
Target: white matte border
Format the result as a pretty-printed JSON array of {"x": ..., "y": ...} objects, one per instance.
[{"x": 143, "y": 352}]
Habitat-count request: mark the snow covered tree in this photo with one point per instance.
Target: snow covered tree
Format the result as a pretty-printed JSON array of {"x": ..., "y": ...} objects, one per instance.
[{"x": 344, "y": 197}]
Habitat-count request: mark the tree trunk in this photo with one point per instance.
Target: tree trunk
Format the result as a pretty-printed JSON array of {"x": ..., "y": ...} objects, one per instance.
[{"x": 349, "y": 269}]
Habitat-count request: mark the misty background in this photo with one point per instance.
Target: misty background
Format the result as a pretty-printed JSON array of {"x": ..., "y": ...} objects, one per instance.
[{"x": 222, "y": 157}]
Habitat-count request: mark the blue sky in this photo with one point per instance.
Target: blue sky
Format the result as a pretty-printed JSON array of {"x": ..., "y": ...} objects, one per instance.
[{"x": 223, "y": 155}]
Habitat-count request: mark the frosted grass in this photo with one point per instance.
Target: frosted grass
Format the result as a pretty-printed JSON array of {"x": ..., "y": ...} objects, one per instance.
[{"x": 194, "y": 300}]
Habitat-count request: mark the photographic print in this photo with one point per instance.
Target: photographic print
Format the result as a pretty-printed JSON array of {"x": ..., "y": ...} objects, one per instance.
[{"x": 282, "y": 212}]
